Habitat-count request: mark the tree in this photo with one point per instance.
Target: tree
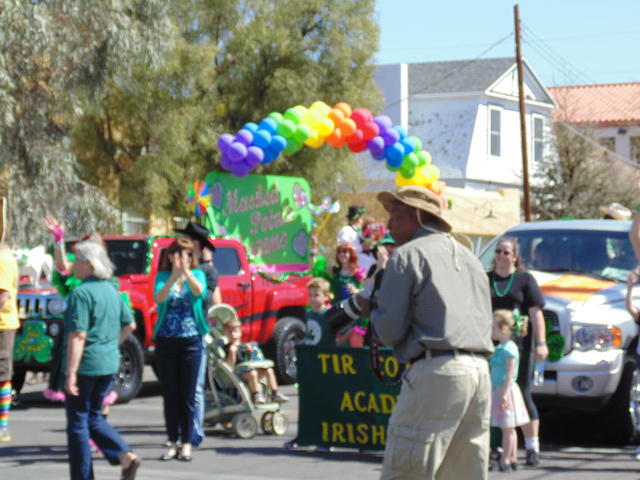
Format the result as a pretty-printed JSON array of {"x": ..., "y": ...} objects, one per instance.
[
  {"x": 578, "y": 178},
  {"x": 55, "y": 58},
  {"x": 236, "y": 61}
]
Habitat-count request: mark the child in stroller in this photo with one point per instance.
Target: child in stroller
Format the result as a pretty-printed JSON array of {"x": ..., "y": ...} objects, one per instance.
[
  {"x": 239, "y": 353},
  {"x": 228, "y": 400}
]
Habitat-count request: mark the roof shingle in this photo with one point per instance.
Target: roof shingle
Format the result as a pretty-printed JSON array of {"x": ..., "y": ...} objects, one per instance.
[{"x": 611, "y": 103}]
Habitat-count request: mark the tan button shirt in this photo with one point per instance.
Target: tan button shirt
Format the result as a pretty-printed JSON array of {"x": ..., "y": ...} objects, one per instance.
[{"x": 425, "y": 302}]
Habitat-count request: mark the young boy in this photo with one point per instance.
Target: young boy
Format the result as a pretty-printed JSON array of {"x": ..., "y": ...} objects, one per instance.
[
  {"x": 319, "y": 332},
  {"x": 242, "y": 352}
]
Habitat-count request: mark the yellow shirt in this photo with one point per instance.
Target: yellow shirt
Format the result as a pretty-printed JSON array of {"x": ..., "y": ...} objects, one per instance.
[{"x": 9, "y": 282}]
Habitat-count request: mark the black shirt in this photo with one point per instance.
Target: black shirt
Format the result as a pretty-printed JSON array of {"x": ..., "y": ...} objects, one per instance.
[
  {"x": 523, "y": 293},
  {"x": 211, "y": 274}
]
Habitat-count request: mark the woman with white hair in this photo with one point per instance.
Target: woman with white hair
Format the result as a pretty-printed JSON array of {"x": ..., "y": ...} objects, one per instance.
[{"x": 96, "y": 320}]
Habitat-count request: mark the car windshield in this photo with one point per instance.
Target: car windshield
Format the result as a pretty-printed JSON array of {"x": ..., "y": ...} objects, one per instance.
[
  {"x": 601, "y": 254},
  {"x": 128, "y": 256}
]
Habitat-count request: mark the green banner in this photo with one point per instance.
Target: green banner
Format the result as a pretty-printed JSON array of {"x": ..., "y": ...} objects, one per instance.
[
  {"x": 342, "y": 403},
  {"x": 269, "y": 214}
]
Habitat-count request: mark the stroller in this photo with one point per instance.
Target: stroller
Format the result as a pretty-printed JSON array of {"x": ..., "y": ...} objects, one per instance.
[{"x": 228, "y": 400}]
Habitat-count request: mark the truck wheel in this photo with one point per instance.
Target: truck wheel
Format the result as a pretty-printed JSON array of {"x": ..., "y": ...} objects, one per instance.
[
  {"x": 128, "y": 380},
  {"x": 17, "y": 381},
  {"x": 622, "y": 419},
  {"x": 289, "y": 331}
]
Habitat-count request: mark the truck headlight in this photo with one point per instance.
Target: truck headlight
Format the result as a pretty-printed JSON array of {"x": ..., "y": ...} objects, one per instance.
[
  {"x": 596, "y": 337},
  {"x": 56, "y": 306}
]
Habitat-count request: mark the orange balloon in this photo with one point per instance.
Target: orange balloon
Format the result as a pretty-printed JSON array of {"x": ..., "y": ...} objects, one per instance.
[
  {"x": 348, "y": 127},
  {"x": 335, "y": 138},
  {"x": 336, "y": 115},
  {"x": 345, "y": 107}
]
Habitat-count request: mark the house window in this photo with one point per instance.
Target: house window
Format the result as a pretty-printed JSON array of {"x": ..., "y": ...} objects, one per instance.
[
  {"x": 538, "y": 137},
  {"x": 608, "y": 142},
  {"x": 635, "y": 149},
  {"x": 495, "y": 114}
]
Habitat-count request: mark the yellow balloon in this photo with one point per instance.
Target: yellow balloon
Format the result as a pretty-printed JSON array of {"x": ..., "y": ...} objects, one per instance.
[
  {"x": 325, "y": 127},
  {"x": 315, "y": 140},
  {"x": 427, "y": 157},
  {"x": 311, "y": 118},
  {"x": 402, "y": 181},
  {"x": 322, "y": 108},
  {"x": 419, "y": 177}
]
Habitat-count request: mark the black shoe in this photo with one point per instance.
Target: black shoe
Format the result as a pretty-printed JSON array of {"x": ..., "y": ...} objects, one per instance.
[
  {"x": 494, "y": 458},
  {"x": 514, "y": 466},
  {"x": 170, "y": 454},
  {"x": 129, "y": 473},
  {"x": 504, "y": 467},
  {"x": 533, "y": 458}
]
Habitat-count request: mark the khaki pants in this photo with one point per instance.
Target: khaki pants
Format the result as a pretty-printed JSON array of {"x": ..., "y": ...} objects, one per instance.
[{"x": 440, "y": 426}]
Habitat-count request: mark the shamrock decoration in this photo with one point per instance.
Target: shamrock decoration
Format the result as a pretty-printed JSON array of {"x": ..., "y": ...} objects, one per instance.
[{"x": 33, "y": 342}]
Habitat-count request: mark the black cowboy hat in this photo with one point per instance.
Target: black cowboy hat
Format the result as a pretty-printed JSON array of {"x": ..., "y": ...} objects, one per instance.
[
  {"x": 197, "y": 231},
  {"x": 355, "y": 211}
]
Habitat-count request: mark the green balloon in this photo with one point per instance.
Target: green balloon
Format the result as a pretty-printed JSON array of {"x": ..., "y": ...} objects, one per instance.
[
  {"x": 293, "y": 115},
  {"x": 417, "y": 143},
  {"x": 292, "y": 147},
  {"x": 407, "y": 170},
  {"x": 286, "y": 128},
  {"x": 392, "y": 169},
  {"x": 302, "y": 133},
  {"x": 411, "y": 159},
  {"x": 277, "y": 116}
]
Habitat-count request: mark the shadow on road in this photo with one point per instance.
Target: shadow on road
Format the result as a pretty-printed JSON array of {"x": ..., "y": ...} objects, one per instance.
[{"x": 350, "y": 456}]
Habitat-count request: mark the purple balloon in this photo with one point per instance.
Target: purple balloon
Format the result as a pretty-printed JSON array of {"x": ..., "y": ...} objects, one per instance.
[
  {"x": 254, "y": 156},
  {"x": 240, "y": 169},
  {"x": 244, "y": 136},
  {"x": 237, "y": 151},
  {"x": 391, "y": 137},
  {"x": 226, "y": 162},
  {"x": 383, "y": 122},
  {"x": 376, "y": 143},
  {"x": 225, "y": 140}
]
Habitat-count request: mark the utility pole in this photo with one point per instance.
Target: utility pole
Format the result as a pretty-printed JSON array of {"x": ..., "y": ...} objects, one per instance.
[{"x": 523, "y": 120}]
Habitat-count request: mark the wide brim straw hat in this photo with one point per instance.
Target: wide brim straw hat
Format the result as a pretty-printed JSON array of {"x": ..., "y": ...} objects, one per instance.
[
  {"x": 418, "y": 197},
  {"x": 616, "y": 211}
]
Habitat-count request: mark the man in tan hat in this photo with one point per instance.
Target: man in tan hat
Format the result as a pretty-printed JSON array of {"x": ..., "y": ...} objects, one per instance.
[{"x": 434, "y": 308}]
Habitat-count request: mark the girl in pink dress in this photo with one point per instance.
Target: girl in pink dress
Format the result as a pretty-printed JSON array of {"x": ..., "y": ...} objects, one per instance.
[{"x": 508, "y": 410}]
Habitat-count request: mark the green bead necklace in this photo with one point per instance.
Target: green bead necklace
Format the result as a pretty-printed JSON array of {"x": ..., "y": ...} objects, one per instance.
[{"x": 506, "y": 290}]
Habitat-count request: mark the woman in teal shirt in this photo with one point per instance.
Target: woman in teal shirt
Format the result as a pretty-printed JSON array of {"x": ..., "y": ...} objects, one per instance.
[
  {"x": 179, "y": 291},
  {"x": 96, "y": 320}
]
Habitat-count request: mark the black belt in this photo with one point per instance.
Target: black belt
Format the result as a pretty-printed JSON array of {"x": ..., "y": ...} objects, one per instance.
[{"x": 449, "y": 353}]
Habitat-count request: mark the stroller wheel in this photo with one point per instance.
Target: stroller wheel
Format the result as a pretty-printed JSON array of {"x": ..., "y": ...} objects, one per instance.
[
  {"x": 266, "y": 422},
  {"x": 244, "y": 425},
  {"x": 280, "y": 423}
]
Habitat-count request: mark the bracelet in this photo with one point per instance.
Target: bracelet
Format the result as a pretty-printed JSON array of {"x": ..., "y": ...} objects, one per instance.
[{"x": 540, "y": 343}]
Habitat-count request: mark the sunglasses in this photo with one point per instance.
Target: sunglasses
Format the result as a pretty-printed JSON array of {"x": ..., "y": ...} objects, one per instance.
[{"x": 503, "y": 252}]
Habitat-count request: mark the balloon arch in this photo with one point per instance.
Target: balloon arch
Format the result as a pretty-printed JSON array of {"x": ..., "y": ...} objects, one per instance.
[{"x": 261, "y": 143}]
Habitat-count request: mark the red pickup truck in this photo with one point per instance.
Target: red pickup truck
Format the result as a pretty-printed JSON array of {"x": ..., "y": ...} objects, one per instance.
[{"x": 272, "y": 311}]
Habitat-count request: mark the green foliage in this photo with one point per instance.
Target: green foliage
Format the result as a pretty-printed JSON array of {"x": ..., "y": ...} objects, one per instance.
[
  {"x": 55, "y": 57},
  {"x": 237, "y": 61},
  {"x": 579, "y": 178}
]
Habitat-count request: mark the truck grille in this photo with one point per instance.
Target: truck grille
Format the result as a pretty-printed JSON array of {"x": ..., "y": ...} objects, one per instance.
[
  {"x": 550, "y": 315},
  {"x": 30, "y": 306}
]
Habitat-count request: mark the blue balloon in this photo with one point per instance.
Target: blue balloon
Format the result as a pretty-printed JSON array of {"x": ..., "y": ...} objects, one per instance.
[
  {"x": 402, "y": 131},
  {"x": 251, "y": 126},
  {"x": 408, "y": 146},
  {"x": 269, "y": 156},
  {"x": 262, "y": 139},
  {"x": 394, "y": 154},
  {"x": 269, "y": 124},
  {"x": 278, "y": 143}
]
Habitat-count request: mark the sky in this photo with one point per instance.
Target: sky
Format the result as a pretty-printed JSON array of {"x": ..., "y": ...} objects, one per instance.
[{"x": 566, "y": 42}]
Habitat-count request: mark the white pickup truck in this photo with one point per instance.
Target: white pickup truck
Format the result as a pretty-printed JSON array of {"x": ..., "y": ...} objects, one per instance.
[{"x": 582, "y": 267}]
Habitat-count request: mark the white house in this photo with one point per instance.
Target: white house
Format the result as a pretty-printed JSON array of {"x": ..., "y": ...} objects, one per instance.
[
  {"x": 466, "y": 114},
  {"x": 611, "y": 111}
]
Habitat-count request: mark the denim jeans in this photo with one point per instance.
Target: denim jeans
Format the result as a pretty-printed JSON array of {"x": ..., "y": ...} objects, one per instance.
[
  {"x": 178, "y": 363},
  {"x": 84, "y": 421},
  {"x": 198, "y": 418}
]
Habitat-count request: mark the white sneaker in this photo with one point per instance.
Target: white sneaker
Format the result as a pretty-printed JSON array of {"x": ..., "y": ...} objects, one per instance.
[{"x": 4, "y": 435}]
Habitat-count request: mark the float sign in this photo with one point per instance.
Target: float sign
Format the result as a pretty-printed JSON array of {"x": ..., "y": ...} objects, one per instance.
[
  {"x": 269, "y": 214},
  {"x": 342, "y": 403}
]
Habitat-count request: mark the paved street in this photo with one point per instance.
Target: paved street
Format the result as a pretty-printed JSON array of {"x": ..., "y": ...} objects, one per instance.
[{"x": 38, "y": 450}]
